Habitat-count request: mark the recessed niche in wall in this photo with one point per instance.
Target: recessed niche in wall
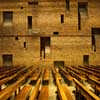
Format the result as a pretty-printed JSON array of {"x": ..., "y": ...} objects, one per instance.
[
  {"x": 82, "y": 12},
  {"x": 58, "y": 63},
  {"x": 21, "y": 7},
  {"x": 95, "y": 38},
  {"x": 62, "y": 18},
  {"x": 33, "y": 2},
  {"x": 16, "y": 38},
  {"x": 7, "y": 60},
  {"x": 67, "y": 4},
  {"x": 29, "y": 22},
  {"x": 86, "y": 59},
  {"x": 24, "y": 44},
  {"x": 56, "y": 33},
  {"x": 7, "y": 17},
  {"x": 30, "y": 2},
  {"x": 83, "y": 7}
]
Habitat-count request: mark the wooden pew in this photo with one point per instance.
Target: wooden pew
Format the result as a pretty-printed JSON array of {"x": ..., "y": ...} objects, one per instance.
[
  {"x": 6, "y": 72},
  {"x": 85, "y": 91},
  {"x": 45, "y": 79},
  {"x": 79, "y": 71},
  {"x": 95, "y": 84},
  {"x": 3, "y": 81},
  {"x": 35, "y": 76},
  {"x": 93, "y": 68},
  {"x": 75, "y": 74},
  {"x": 46, "y": 74},
  {"x": 76, "y": 70},
  {"x": 89, "y": 76},
  {"x": 92, "y": 80},
  {"x": 44, "y": 93},
  {"x": 23, "y": 94},
  {"x": 7, "y": 92},
  {"x": 66, "y": 75},
  {"x": 60, "y": 90},
  {"x": 35, "y": 91},
  {"x": 10, "y": 72},
  {"x": 89, "y": 72},
  {"x": 55, "y": 73},
  {"x": 67, "y": 93},
  {"x": 4, "y": 69},
  {"x": 61, "y": 93}
]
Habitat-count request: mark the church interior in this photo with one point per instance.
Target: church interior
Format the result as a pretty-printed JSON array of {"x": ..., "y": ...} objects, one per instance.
[{"x": 49, "y": 49}]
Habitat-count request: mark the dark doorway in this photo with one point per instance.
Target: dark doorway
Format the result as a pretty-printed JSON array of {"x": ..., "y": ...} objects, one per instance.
[
  {"x": 44, "y": 46},
  {"x": 58, "y": 63},
  {"x": 82, "y": 11},
  {"x": 86, "y": 59},
  {"x": 7, "y": 60},
  {"x": 29, "y": 22},
  {"x": 67, "y": 4}
]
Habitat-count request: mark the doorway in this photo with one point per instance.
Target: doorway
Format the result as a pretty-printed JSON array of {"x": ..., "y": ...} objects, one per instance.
[
  {"x": 44, "y": 47},
  {"x": 86, "y": 59}
]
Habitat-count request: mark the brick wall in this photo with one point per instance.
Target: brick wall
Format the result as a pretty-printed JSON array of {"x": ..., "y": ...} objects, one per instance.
[{"x": 69, "y": 45}]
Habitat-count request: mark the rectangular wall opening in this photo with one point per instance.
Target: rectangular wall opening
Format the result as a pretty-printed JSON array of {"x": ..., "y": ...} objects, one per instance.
[
  {"x": 95, "y": 38},
  {"x": 33, "y": 2},
  {"x": 29, "y": 22},
  {"x": 86, "y": 59},
  {"x": 24, "y": 44},
  {"x": 67, "y": 4},
  {"x": 82, "y": 13},
  {"x": 58, "y": 63},
  {"x": 30, "y": 2},
  {"x": 44, "y": 47},
  {"x": 56, "y": 33},
  {"x": 7, "y": 60},
  {"x": 62, "y": 18},
  {"x": 7, "y": 17},
  {"x": 16, "y": 38}
]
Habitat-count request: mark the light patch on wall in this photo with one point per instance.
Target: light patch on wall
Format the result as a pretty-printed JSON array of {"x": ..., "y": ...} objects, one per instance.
[{"x": 47, "y": 50}]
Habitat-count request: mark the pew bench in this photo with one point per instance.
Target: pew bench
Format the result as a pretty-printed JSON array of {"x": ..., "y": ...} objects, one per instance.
[
  {"x": 35, "y": 92},
  {"x": 85, "y": 91},
  {"x": 35, "y": 77},
  {"x": 45, "y": 80},
  {"x": 44, "y": 93},
  {"x": 23, "y": 94},
  {"x": 7, "y": 92},
  {"x": 67, "y": 92}
]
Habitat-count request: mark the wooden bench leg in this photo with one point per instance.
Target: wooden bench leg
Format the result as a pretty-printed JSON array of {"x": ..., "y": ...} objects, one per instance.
[
  {"x": 77, "y": 94},
  {"x": 16, "y": 93},
  {"x": 0, "y": 88},
  {"x": 18, "y": 89}
]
